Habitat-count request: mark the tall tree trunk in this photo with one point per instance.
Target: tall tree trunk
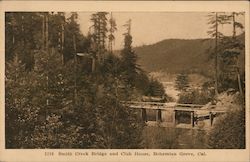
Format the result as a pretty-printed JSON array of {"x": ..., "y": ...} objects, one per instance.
[
  {"x": 216, "y": 53},
  {"x": 13, "y": 35},
  {"x": 75, "y": 69},
  {"x": 62, "y": 42},
  {"x": 47, "y": 70},
  {"x": 47, "y": 51},
  {"x": 47, "y": 32},
  {"x": 111, "y": 29},
  {"x": 234, "y": 27},
  {"x": 237, "y": 63},
  {"x": 43, "y": 32}
]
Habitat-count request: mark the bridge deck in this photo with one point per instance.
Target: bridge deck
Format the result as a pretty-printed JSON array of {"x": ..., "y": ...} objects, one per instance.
[{"x": 172, "y": 106}]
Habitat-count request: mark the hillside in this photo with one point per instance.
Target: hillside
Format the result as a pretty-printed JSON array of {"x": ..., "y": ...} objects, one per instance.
[{"x": 175, "y": 55}]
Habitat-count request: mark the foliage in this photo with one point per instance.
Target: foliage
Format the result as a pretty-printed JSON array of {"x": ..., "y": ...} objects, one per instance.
[
  {"x": 21, "y": 36},
  {"x": 181, "y": 82},
  {"x": 141, "y": 83},
  {"x": 50, "y": 135},
  {"x": 99, "y": 35},
  {"x": 230, "y": 50},
  {"x": 112, "y": 114},
  {"x": 226, "y": 51},
  {"x": 115, "y": 132},
  {"x": 21, "y": 113},
  {"x": 129, "y": 59},
  {"x": 71, "y": 30},
  {"x": 25, "y": 33},
  {"x": 112, "y": 29},
  {"x": 229, "y": 131},
  {"x": 160, "y": 138},
  {"x": 155, "y": 88},
  {"x": 196, "y": 96}
]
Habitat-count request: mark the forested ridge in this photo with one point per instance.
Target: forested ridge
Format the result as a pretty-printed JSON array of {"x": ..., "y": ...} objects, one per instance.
[{"x": 181, "y": 54}]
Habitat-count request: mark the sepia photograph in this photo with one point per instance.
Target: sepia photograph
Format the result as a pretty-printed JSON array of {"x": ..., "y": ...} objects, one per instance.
[
  {"x": 134, "y": 80},
  {"x": 115, "y": 80}
]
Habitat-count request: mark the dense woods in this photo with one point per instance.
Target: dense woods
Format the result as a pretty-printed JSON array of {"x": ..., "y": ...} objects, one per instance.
[{"x": 64, "y": 89}]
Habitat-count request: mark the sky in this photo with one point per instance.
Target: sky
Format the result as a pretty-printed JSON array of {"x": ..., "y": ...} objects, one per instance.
[{"x": 151, "y": 27}]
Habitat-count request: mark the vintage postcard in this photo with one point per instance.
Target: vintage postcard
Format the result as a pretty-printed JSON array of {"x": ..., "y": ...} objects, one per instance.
[{"x": 124, "y": 81}]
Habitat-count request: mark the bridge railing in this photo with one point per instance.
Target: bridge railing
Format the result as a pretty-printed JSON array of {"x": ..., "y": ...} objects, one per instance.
[
  {"x": 164, "y": 106},
  {"x": 169, "y": 104}
]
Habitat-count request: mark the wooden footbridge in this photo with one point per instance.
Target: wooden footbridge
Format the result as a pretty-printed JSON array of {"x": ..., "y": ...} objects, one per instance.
[{"x": 173, "y": 112}]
